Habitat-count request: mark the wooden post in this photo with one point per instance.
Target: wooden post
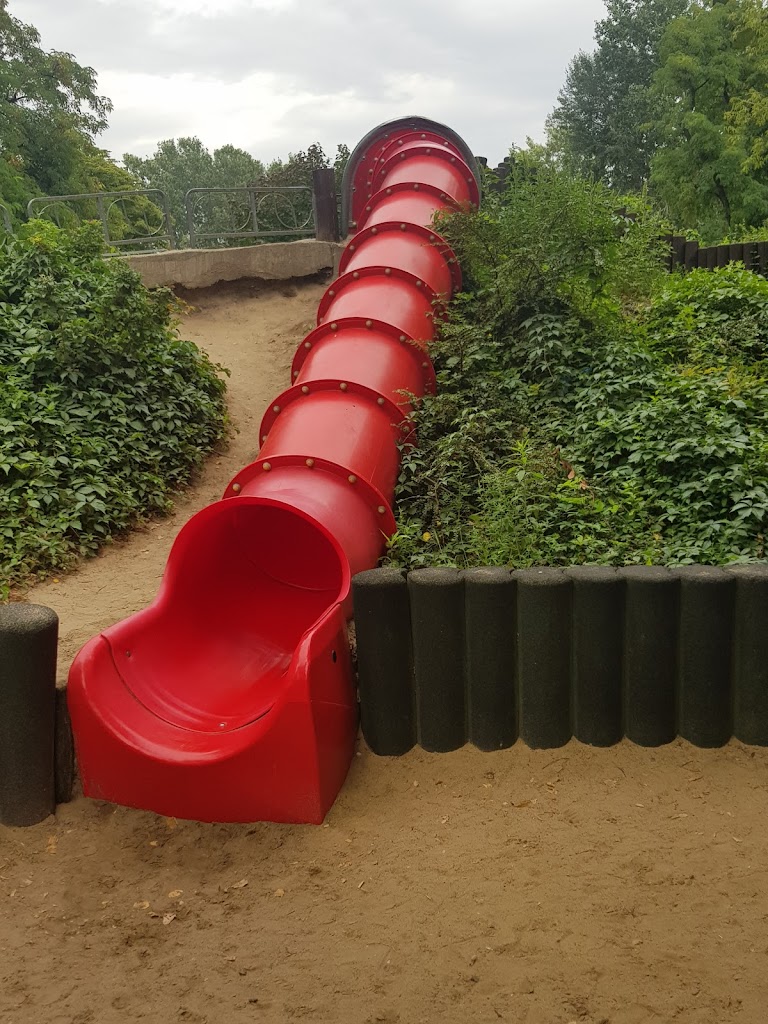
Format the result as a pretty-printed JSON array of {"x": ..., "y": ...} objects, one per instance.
[
  {"x": 324, "y": 203},
  {"x": 678, "y": 250},
  {"x": 691, "y": 255}
]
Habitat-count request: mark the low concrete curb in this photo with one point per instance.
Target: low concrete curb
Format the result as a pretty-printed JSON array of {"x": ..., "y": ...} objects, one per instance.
[
  {"x": 489, "y": 655},
  {"x": 201, "y": 268}
]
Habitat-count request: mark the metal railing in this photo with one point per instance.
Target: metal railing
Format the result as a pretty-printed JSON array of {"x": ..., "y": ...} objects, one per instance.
[
  {"x": 220, "y": 214},
  {"x": 118, "y": 212}
]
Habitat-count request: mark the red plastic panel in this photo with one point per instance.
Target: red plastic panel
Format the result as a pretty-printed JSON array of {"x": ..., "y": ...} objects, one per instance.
[
  {"x": 217, "y": 587},
  {"x": 405, "y": 205},
  {"x": 368, "y": 169},
  {"x": 395, "y": 300},
  {"x": 151, "y": 731},
  {"x": 354, "y": 323},
  {"x": 360, "y": 524},
  {"x": 374, "y": 358},
  {"x": 453, "y": 179},
  {"x": 287, "y": 765},
  {"x": 348, "y": 428},
  {"x": 406, "y": 248},
  {"x": 409, "y": 138},
  {"x": 381, "y": 143}
]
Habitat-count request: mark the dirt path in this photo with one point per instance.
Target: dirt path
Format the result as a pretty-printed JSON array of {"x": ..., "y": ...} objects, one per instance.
[{"x": 600, "y": 887}]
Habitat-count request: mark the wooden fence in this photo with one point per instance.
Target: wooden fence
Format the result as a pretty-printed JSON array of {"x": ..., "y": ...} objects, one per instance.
[{"x": 689, "y": 255}]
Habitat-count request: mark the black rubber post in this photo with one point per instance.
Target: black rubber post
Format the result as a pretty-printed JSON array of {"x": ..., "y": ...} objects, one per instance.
[
  {"x": 437, "y": 631},
  {"x": 28, "y": 640},
  {"x": 750, "y": 654},
  {"x": 704, "y": 662},
  {"x": 384, "y": 661},
  {"x": 651, "y": 610},
  {"x": 490, "y": 647},
  {"x": 64, "y": 750},
  {"x": 597, "y": 654},
  {"x": 544, "y": 656}
]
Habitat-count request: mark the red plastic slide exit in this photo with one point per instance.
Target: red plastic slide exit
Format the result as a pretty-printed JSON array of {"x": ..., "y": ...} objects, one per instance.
[{"x": 230, "y": 698}]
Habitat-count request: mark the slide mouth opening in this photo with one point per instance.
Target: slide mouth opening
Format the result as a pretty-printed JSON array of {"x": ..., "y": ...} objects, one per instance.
[
  {"x": 289, "y": 547},
  {"x": 260, "y": 537},
  {"x": 246, "y": 579}
]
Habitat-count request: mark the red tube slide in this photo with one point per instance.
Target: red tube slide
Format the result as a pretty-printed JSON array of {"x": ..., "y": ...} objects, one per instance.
[{"x": 230, "y": 698}]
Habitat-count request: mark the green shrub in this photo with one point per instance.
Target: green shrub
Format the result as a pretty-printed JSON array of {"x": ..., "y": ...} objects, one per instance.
[
  {"x": 103, "y": 409},
  {"x": 591, "y": 407},
  {"x": 704, "y": 316}
]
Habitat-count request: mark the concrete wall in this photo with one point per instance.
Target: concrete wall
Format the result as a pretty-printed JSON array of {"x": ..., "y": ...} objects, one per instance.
[
  {"x": 487, "y": 656},
  {"x": 201, "y": 268}
]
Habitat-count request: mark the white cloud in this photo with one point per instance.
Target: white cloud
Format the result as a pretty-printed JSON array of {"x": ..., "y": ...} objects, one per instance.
[
  {"x": 154, "y": 107},
  {"x": 273, "y": 76}
]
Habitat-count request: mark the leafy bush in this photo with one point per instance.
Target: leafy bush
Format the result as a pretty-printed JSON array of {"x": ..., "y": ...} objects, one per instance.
[
  {"x": 690, "y": 423},
  {"x": 103, "y": 410},
  {"x": 711, "y": 316},
  {"x": 591, "y": 407}
]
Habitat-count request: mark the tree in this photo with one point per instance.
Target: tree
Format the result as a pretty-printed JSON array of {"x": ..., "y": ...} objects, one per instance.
[
  {"x": 50, "y": 113},
  {"x": 602, "y": 124},
  {"x": 175, "y": 167},
  {"x": 340, "y": 164},
  {"x": 179, "y": 165},
  {"x": 748, "y": 115},
  {"x": 712, "y": 80}
]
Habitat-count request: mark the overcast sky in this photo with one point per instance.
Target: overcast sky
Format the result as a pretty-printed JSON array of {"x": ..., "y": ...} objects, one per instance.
[{"x": 273, "y": 76}]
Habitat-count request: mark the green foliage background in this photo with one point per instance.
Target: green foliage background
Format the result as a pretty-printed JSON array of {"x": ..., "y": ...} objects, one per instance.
[
  {"x": 591, "y": 407},
  {"x": 103, "y": 409},
  {"x": 674, "y": 98}
]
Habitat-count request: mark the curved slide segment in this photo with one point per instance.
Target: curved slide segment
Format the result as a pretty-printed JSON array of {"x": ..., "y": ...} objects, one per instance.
[{"x": 230, "y": 698}]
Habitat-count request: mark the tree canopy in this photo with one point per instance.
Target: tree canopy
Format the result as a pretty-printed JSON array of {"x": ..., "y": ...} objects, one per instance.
[
  {"x": 178, "y": 165},
  {"x": 50, "y": 114},
  {"x": 675, "y": 95},
  {"x": 711, "y": 84},
  {"x": 603, "y": 122}
]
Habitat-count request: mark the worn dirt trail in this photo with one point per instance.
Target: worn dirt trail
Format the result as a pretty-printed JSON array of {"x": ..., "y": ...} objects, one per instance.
[{"x": 535, "y": 887}]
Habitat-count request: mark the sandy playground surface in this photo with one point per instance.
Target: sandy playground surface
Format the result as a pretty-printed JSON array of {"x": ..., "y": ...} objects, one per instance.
[{"x": 536, "y": 887}]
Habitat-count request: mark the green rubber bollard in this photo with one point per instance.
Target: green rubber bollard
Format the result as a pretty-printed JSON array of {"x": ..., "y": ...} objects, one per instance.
[{"x": 28, "y": 640}]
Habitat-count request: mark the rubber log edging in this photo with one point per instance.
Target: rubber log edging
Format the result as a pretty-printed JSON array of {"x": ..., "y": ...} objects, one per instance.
[
  {"x": 437, "y": 636},
  {"x": 750, "y": 654},
  {"x": 596, "y": 654},
  {"x": 384, "y": 660},
  {"x": 544, "y": 656},
  {"x": 28, "y": 642},
  {"x": 704, "y": 671},
  {"x": 63, "y": 750},
  {"x": 490, "y": 614},
  {"x": 490, "y": 654}
]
